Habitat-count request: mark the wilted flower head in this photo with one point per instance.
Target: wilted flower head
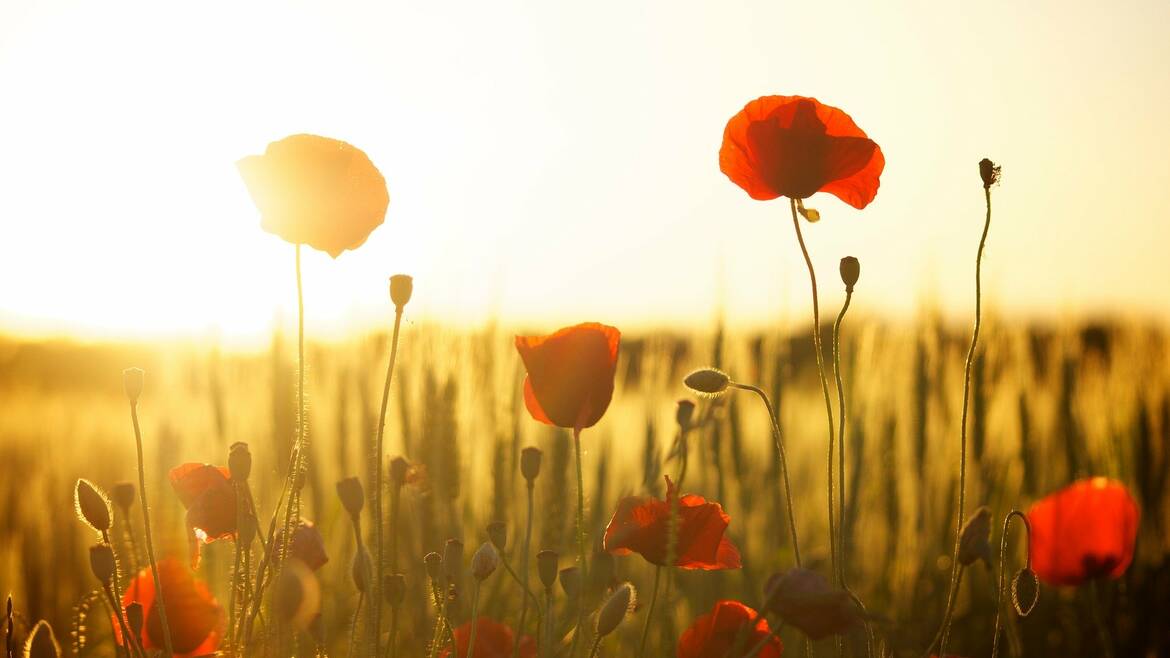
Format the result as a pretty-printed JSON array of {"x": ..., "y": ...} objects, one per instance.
[
  {"x": 615, "y": 609},
  {"x": 806, "y": 600},
  {"x": 975, "y": 538},
  {"x": 708, "y": 381},
  {"x": 92, "y": 505},
  {"x": 401, "y": 288},
  {"x": 989, "y": 172}
]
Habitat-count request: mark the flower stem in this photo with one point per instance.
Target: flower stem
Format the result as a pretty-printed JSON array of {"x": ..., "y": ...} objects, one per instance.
[
  {"x": 1000, "y": 578},
  {"x": 376, "y": 592},
  {"x": 812, "y": 277},
  {"x": 596, "y": 646},
  {"x": 580, "y": 541},
  {"x": 474, "y": 622},
  {"x": 524, "y": 571},
  {"x": 840, "y": 438},
  {"x": 649, "y": 612},
  {"x": 158, "y": 590}
]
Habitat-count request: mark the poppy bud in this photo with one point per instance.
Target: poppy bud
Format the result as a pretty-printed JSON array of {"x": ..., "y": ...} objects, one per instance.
[
  {"x": 394, "y": 588},
  {"x": 708, "y": 381},
  {"x": 434, "y": 565},
  {"x": 989, "y": 172},
  {"x": 401, "y": 287},
  {"x": 530, "y": 463},
  {"x": 399, "y": 468},
  {"x": 101, "y": 563},
  {"x": 361, "y": 569},
  {"x": 974, "y": 541},
  {"x": 134, "y": 618},
  {"x": 123, "y": 495},
  {"x": 93, "y": 507},
  {"x": 453, "y": 559},
  {"x": 615, "y": 609},
  {"x": 132, "y": 382},
  {"x": 239, "y": 461},
  {"x": 41, "y": 642},
  {"x": 498, "y": 534},
  {"x": 683, "y": 413},
  {"x": 850, "y": 271},
  {"x": 485, "y": 561},
  {"x": 352, "y": 496},
  {"x": 546, "y": 566},
  {"x": 571, "y": 581},
  {"x": 1025, "y": 591}
]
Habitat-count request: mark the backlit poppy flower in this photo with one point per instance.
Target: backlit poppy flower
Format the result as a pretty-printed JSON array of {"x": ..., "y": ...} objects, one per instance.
[
  {"x": 728, "y": 625},
  {"x": 641, "y": 523},
  {"x": 807, "y": 601},
  {"x": 308, "y": 545},
  {"x": 316, "y": 191},
  {"x": 210, "y": 500},
  {"x": 196, "y": 620},
  {"x": 1085, "y": 531},
  {"x": 570, "y": 374},
  {"x": 795, "y": 147},
  {"x": 492, "y": 640}
]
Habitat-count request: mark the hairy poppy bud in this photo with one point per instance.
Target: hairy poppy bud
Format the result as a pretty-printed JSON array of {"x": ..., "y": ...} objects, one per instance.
[
  {"x": 239, "y": 461},
  {"x": 498, "y": 534},
  {"x": 41, "y": 642},
  {"x": 93, "y": 507},
  {"x": 101, "y": 563},
  {"x": 123, "y": 495},
  {"x": 850, "y": 271},
  {"x": 360, "y": 571},
  {"x": 530, "y": 463},
  {"x": 571, "y": 581},
  {"x": 399, "y": 468},
  {"x": 615, "y": 609},
  {"x": 708, "y": 381},
  {"x": 434, "y": 565},
  {"x": 546, "y": 566},
  {"x": 401, "y": 287},
  {"x": 974, "y": 541},
  {"x": 1025, "y": 591},
  {"x": 134, "y": 618},
  {"x": 352, "y": 496},
  {"x": 684, "y": 412},
  {"x": 453, "y": 559},
  {"x": 989, "y": 172},
  {"x": 485, "y": 561},
  {"x": 132, "y": 382},
  {"x": 394, "y": 588}
]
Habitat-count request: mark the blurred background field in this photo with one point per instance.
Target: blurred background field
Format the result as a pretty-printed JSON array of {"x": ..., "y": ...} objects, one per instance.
[{"x": 1051, "y": 402}]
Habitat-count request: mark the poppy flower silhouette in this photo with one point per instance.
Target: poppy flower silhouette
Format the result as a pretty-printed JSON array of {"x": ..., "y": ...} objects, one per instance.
[
  {"x": 210, "y": 501},
  {"x": 729, "y": 625},
  {"x": 795, "y": 146},
  {"x": 1082, "y": 532},
  {"x": 641, "y": 524},
  {"x": 317, "y": 191},
  {"x": 570, "y": 374},
  {"x": 196, "y": 620},
  {"x": 492, "y": 640}
]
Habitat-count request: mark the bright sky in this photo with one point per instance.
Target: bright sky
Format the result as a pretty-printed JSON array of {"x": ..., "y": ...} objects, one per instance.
[{"x": 552, "y": 162}]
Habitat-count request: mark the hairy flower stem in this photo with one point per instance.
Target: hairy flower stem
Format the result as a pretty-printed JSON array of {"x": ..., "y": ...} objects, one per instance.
[
  {"x": 952, "y": 592},
  {"x": 524, "y": 579},
  {"x": 580, "y": 542},
  {"x": 527, "y": 595},
  {"x": 550, "y": 625},
  {"x": 474, "y": 622},
  {"x": 812, "y": 277},
  {"x": 649, "y": 612},
  {"x": 128, "y": 644},
  {"x": 119, "y": 611},
  {"x": 375, "y": 607},
  {"x": 596, "y": 646},
  {"x": 158, "y": 590},
  {"x": 779, "y": 441},
  {"x": 1007, "y": 521}
]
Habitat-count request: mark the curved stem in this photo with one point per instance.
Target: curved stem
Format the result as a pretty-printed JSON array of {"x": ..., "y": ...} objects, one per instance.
[
  {"x": 812, "y": 277},
  {"x": 1000, "y": 577},
  {"x": 840, "y": 438},
  {"x": 158, "y": 590},
  {"x": 649, "y": 612},
  {"x": 778, "y": 439},
  {"x": 379, "y": 571},
  {"x": 127, "y": 639}
]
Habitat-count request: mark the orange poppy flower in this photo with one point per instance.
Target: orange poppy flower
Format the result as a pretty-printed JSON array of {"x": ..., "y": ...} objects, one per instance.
[
  {"x": 640, "y": 525},
  {"x": 492, "y": 640},
  {"x": 718, "y": 632},
  {"x": 807, "y": 601},
  {"x": 570, "y": 374},
  {"x": 316, "y": 191},
  {"x": 210, "y": 501},
  {"x": 795, "y": 147},
  {"x": 1085, "y": 531},
  {"x": 196, "y": 620}
]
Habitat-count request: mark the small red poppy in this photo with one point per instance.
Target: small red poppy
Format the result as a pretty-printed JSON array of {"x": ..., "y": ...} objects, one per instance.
[
  {"x": 492, "y": 640},
  {"x": 570, "y": 374},
  {"x": 728, "y": 625},
  {"x": 210, "y": 501},
  {"x": 194, "y": 617},
  {"x": 317, "y": 191},
  {"x": 795, "y": 147},
  {"x": 640, "y": 525},
  {"x": 1085, "y": 531}
]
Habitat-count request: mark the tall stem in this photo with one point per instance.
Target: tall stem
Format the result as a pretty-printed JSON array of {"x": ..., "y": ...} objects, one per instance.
[
  {"x": 375, "y": 607},
  {"x": 812, "y": 277},
  {"x": 840, "y": 437},
  {"x": 524, "y": 573},
  {"x": 649, "y": 612},
  {"x": 580, "y": 541},
  {"x": 474, "y": 622},
  {"x": 158, "y": 589}
]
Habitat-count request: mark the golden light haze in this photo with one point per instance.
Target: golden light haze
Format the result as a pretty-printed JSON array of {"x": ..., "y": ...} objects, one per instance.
[{"x": 550, "y": 163}]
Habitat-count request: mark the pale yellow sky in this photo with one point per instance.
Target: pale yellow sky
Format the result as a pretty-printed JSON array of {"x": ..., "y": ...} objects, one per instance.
[{"x": 552, "y": 162}]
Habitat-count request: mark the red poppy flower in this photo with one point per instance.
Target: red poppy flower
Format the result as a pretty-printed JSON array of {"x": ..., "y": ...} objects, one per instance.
[
  {"x": 196, "y": 620},
  {"x": 316, "y": 191},
  {"x": 718, "y": 632},
  {"x": 570, "y": 374},
  {"x": 210, "y": 500},
  {"x": 1085, "y": 531},
  {"x": 640, "y": 525},
  {"x": 492, "y": 640},
  {"x": 308, "y": 545},
  {"x": 795, "y": 147},
  {"x": 806, "y": 600}
]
